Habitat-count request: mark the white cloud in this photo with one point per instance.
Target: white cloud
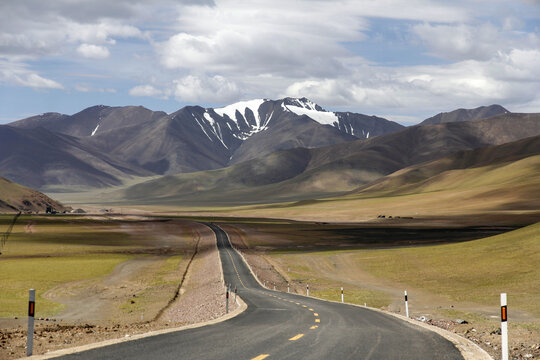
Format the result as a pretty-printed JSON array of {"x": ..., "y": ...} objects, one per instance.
[
  {"x": 87, "y": 88},
  {"x": 222, "y": 51},
  {"x": 459, "y": 42},
  {"x": 93, "y": 51},
  {"x": 478, "y": 42},
  {"x": 15, "y": 73},
  {"x": 147, "y": 90},
  {"x": 509, "y": 78},
  {"x": 215, "y": 89}
]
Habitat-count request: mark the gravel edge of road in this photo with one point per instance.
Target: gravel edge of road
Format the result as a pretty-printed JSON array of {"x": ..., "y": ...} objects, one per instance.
[{"x": 240, "y": 309}]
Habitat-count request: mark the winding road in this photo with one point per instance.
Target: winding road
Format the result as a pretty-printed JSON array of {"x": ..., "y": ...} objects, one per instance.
[{"x": 279, "y": 325}]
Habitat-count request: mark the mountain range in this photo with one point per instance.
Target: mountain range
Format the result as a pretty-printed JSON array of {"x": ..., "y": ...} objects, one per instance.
[
  {"x": 102, "y": 146},
  {"x": 302, "y": 173},
  {"x": 248, "y": 152}
]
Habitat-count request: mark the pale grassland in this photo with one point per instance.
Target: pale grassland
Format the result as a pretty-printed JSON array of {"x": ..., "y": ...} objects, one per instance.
[
  {"x": 502, "y": 189},
  {"x": 475, "y": 271},
  {"x": 42, "y": 274},
  {"x": 161, "y": 281},
  {"x": 61, "y": 235},
  {"x": 318, "y": 270},
  {"x": 468, "y": 272},
  {"x": 53, "y": 251}
]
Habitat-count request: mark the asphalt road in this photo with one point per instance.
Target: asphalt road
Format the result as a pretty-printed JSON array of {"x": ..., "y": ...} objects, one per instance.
[{"x": 278, "y": 325}]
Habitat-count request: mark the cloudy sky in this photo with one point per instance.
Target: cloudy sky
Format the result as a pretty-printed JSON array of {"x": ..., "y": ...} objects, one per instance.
[{"x": 404, "y": 60}]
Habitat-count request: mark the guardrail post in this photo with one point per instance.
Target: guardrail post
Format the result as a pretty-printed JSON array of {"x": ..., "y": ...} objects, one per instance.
[
  {"x": 504, "y": 327},
  {"x": 31, "y": 315}
]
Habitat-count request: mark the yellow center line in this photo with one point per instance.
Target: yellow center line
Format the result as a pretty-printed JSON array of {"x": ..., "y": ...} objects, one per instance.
[
  {"x": 304, "y": 306},
  {"x": 261, "y": 357},
  {"x": 314, "y": 327},
  {"x": 317, "y": 320},
  {"x": 235, "y": 269},
  {"x": 297, "y": 303},
  {"x": 310, "y": 309},
  {"x": 315, "y": 314},
  {"x": 296, "y": 337}
]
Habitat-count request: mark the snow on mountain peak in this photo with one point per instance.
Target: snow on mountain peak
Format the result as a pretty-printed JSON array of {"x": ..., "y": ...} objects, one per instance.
[
  {"x": 306, "y": 107},
  {"x": 303, "y": 103},
  {"x": 241, "y": 107}
]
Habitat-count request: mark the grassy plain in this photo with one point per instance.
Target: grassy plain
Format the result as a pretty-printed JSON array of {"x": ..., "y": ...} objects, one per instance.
[
  {"x": 75, "y": 261},
  {"x": 462, "y": 270},
  {"x": 44, "y": 273},
  {"x": 500, "y": 193}
]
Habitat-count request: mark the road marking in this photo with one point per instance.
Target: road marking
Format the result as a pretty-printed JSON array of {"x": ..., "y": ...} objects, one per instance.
[
  {"x": 232, "y": 260},
  {"x": 315, "y": 314},
  {"x": 294, "y": 338},
  {"x": 314, "y": 327},
  {"x": 310, "y": 309},
  {"x": 297, "y": 303},
  {"x": 235, "y": 269},
  {"x": 261, "y": 357},
  {"x": 317, "y": 320},
  {"x": 304, "y": 305}
]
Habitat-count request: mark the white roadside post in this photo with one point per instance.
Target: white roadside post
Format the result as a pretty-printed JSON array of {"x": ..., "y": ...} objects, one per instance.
[
  {"x": 31, "y": 314},
  {"x": 406, "y": 305},
  {"x": 342, "y": 294},
  {"x": 227, "y": 301},
  {"x": 504, "y": 327},
  {"x": 307, "y": 289},
  {"x": 288, "y": 287},
  {"x": 274, "y": 287}
]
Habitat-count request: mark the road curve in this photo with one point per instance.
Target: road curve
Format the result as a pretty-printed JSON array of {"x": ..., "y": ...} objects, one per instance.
[{"x": 284, "y": 326}]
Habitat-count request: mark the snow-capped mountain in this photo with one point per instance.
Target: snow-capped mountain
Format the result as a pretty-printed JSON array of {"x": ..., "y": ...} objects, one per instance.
[
  {"x": 244, "y": 119},
  {"x": 196, "y": 138}
]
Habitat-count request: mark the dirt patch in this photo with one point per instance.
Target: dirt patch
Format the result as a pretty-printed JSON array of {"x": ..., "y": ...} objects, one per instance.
[{"x": 100, "y": 300}]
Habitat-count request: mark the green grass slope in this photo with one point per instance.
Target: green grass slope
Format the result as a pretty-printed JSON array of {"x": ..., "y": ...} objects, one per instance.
[
  {"x": 495, "y": 180},
  {"x": 474, "y": 271}
]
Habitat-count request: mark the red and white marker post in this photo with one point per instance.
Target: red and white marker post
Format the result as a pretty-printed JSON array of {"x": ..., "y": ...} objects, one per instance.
[
  {"x": 504, "y": 327},
  {"x": 406, "y": 304},
  {"x": 342, "y": 294},
  {"x": 307, "y": 289},
  {"x": 31, "y": 315}
]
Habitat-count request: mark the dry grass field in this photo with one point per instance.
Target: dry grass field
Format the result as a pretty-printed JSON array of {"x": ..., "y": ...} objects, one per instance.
[{"x": 93, "y": 268}]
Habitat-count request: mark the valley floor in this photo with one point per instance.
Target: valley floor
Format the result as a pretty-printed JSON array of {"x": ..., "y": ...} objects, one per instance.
[{"x": 125, "y": 271}]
